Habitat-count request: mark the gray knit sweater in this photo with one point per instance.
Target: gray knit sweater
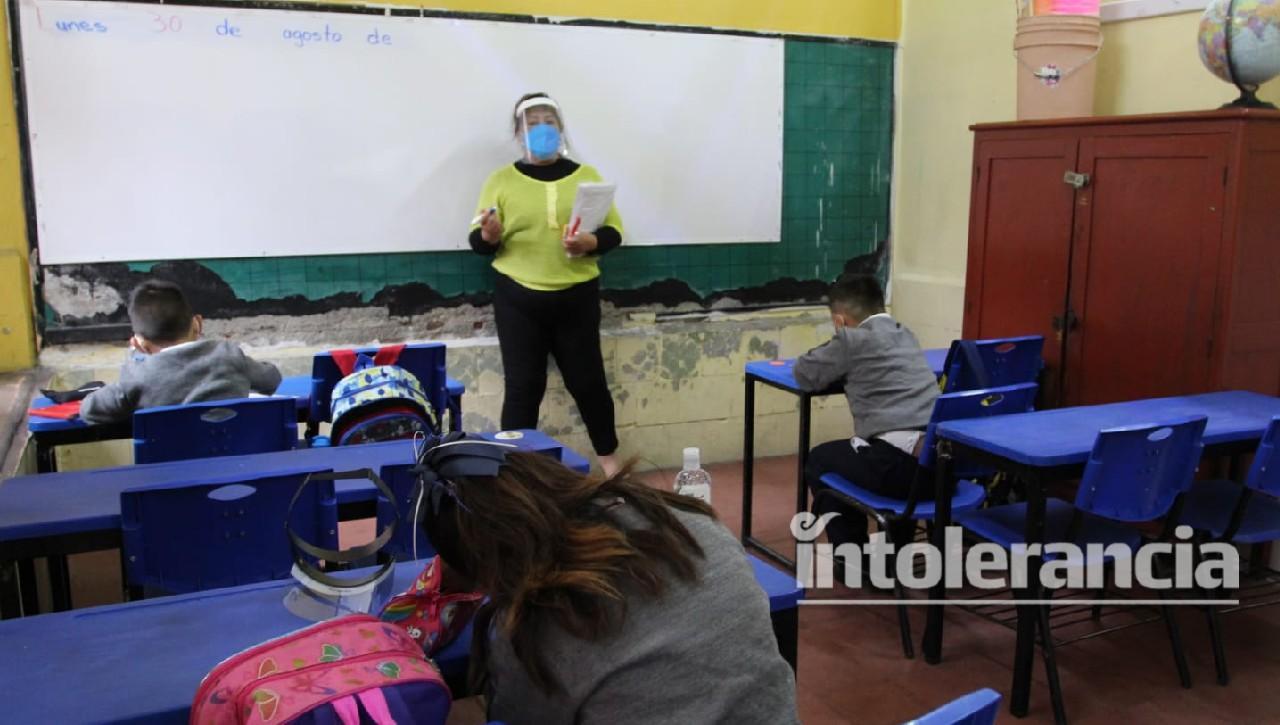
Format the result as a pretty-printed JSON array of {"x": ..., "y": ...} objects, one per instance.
[
  {"x": 885, "y": 375},
  {"x": 703, "y": 653},
  {"x": 189, "y": 373}
]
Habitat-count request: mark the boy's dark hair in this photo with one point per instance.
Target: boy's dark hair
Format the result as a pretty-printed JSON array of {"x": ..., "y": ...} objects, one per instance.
[
  {"x": 159, "y": 311},
  {"x": 858, "y": 294}
]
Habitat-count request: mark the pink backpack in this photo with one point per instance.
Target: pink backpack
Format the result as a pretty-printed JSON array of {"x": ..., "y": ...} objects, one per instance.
[{"x": 335, "y": 672}]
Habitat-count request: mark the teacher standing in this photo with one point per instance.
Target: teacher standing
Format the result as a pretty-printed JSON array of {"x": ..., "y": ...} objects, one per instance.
[{"x": 547, "y": 298}]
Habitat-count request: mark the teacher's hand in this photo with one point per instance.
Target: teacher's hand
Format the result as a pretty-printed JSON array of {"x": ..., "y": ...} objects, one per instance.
[
  {"x": 491, "y": 228},
  {"x": 581, "y": 243}
]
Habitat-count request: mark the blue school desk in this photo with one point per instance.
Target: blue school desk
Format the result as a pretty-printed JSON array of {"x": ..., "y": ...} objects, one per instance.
[
  {"x": 56, "y": 514},
  {"x": 142, "y": 661},
  {"x": 48, "y": 433},
  {"x": 780, "y": 374},
  {"x": 1053, "y": 445}
]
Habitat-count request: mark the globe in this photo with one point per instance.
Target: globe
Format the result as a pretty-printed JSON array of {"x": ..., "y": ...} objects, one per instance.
[{"x": 1240, "y": 43}]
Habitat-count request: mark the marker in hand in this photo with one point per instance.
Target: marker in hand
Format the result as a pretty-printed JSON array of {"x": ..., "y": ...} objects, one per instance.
[
  {"x": 571, "y": 249},
  {"x": 482, "y": 215}
]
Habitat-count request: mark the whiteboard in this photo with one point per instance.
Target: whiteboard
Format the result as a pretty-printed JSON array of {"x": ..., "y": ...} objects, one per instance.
[{"x": 170, "y": 132}]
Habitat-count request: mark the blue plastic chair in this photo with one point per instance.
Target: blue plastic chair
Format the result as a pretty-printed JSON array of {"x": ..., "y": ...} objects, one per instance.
[
  {"x": 1248, "y": 514},
  {"x": 982, "y": 364},
  {"x": 1134, "y": 474},
  {"x": 223, "y": 533},
  {"x": 426, "y": 360},
  {"x": 888, "y": 511},
  {"x": 976, "y": 708},
  {"x": 215, "y": 428}
]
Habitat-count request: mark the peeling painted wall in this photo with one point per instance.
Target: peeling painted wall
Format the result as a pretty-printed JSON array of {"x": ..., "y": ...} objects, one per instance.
[{"x": 675, "y": 383}]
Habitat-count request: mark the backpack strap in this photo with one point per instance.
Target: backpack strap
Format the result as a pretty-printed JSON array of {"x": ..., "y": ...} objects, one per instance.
[
  {"x": 388, "y": 354},
  {"x": 375, "y": 704},
  {"x": 347, "y": 359}
]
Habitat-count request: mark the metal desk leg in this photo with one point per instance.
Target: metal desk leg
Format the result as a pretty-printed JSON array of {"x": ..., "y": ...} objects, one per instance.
[
  {"x": 786, "y": 629},
  {"x": 59, "y": 582},
  {"x": 802, "y": 453},
  {"x": 748, "y": 458},
  {"x": 10, "y": 591},
  {"x": 748, "y": 472},
  {"x": 932, "y": 644},
  {"x": 129, "y": 592},
  {"x": 27, "y": 582},
  {"x": 46, "y": 460},
  {"x": 1024, "y": 653}
]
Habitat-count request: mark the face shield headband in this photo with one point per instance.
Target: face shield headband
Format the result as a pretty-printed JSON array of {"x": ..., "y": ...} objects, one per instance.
[
  {"x": 542, "y": 141},
  {"x": 324, "y": 594}
]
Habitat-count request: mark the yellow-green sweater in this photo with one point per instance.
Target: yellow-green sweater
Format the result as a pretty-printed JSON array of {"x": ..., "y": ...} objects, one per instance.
[{"x": 534, "y": 214}]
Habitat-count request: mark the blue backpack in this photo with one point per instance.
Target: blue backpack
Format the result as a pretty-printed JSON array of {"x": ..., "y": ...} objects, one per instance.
[{"x": 378, "y": 400}]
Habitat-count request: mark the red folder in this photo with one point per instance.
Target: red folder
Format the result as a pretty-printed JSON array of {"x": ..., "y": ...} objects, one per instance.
[{"x": 61, "y": 411}]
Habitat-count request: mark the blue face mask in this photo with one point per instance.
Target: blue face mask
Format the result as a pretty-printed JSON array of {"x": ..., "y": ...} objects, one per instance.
[{"x": 544, "y": 141}]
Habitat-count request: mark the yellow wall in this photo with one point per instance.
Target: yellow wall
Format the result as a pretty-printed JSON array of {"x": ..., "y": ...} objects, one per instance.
[
  {"x": 1152, "y": 66},
  {"x": 956, "y": 69},
  {"x": 17, "y": 336},
  {"x": 877, "y": 19}
]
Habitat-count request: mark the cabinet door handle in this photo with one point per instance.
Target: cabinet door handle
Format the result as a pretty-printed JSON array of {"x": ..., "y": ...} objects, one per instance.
[
  {"x": 1073, "y": 179},
  {"x": 1069, "y": 322}
]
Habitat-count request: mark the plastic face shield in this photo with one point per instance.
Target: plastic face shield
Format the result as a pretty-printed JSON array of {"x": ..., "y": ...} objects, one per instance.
[
  {"x": 317, "y": 601},
  {"x": 541, "y": 129},
  {"x": 323, "y": 594}
]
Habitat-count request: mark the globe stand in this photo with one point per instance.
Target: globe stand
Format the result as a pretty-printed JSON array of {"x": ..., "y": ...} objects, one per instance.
[
  {"x": 1248, "y": 94},
  {"x": 1249, "y": 99}
]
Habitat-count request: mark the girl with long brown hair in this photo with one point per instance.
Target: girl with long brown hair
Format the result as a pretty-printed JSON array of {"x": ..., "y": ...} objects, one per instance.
[{"x": 609, "y": 601}]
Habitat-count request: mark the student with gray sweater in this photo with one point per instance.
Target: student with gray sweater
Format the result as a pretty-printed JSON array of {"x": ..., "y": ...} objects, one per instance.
[
  {"x": 170, "y": 365},
  {"x": 891, "y": 391}
]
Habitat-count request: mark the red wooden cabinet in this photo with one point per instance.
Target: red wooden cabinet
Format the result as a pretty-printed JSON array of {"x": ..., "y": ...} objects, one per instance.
[{"x": 1146, "y": 249}]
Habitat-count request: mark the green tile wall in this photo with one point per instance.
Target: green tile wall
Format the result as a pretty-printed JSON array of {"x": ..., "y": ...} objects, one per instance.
[{"x": 837, "y": 159}]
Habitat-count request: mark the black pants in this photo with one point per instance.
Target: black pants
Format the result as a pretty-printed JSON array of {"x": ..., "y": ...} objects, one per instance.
[
  {"x": 565, "y": 324},
  {"x": 879, "y": 467}
]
